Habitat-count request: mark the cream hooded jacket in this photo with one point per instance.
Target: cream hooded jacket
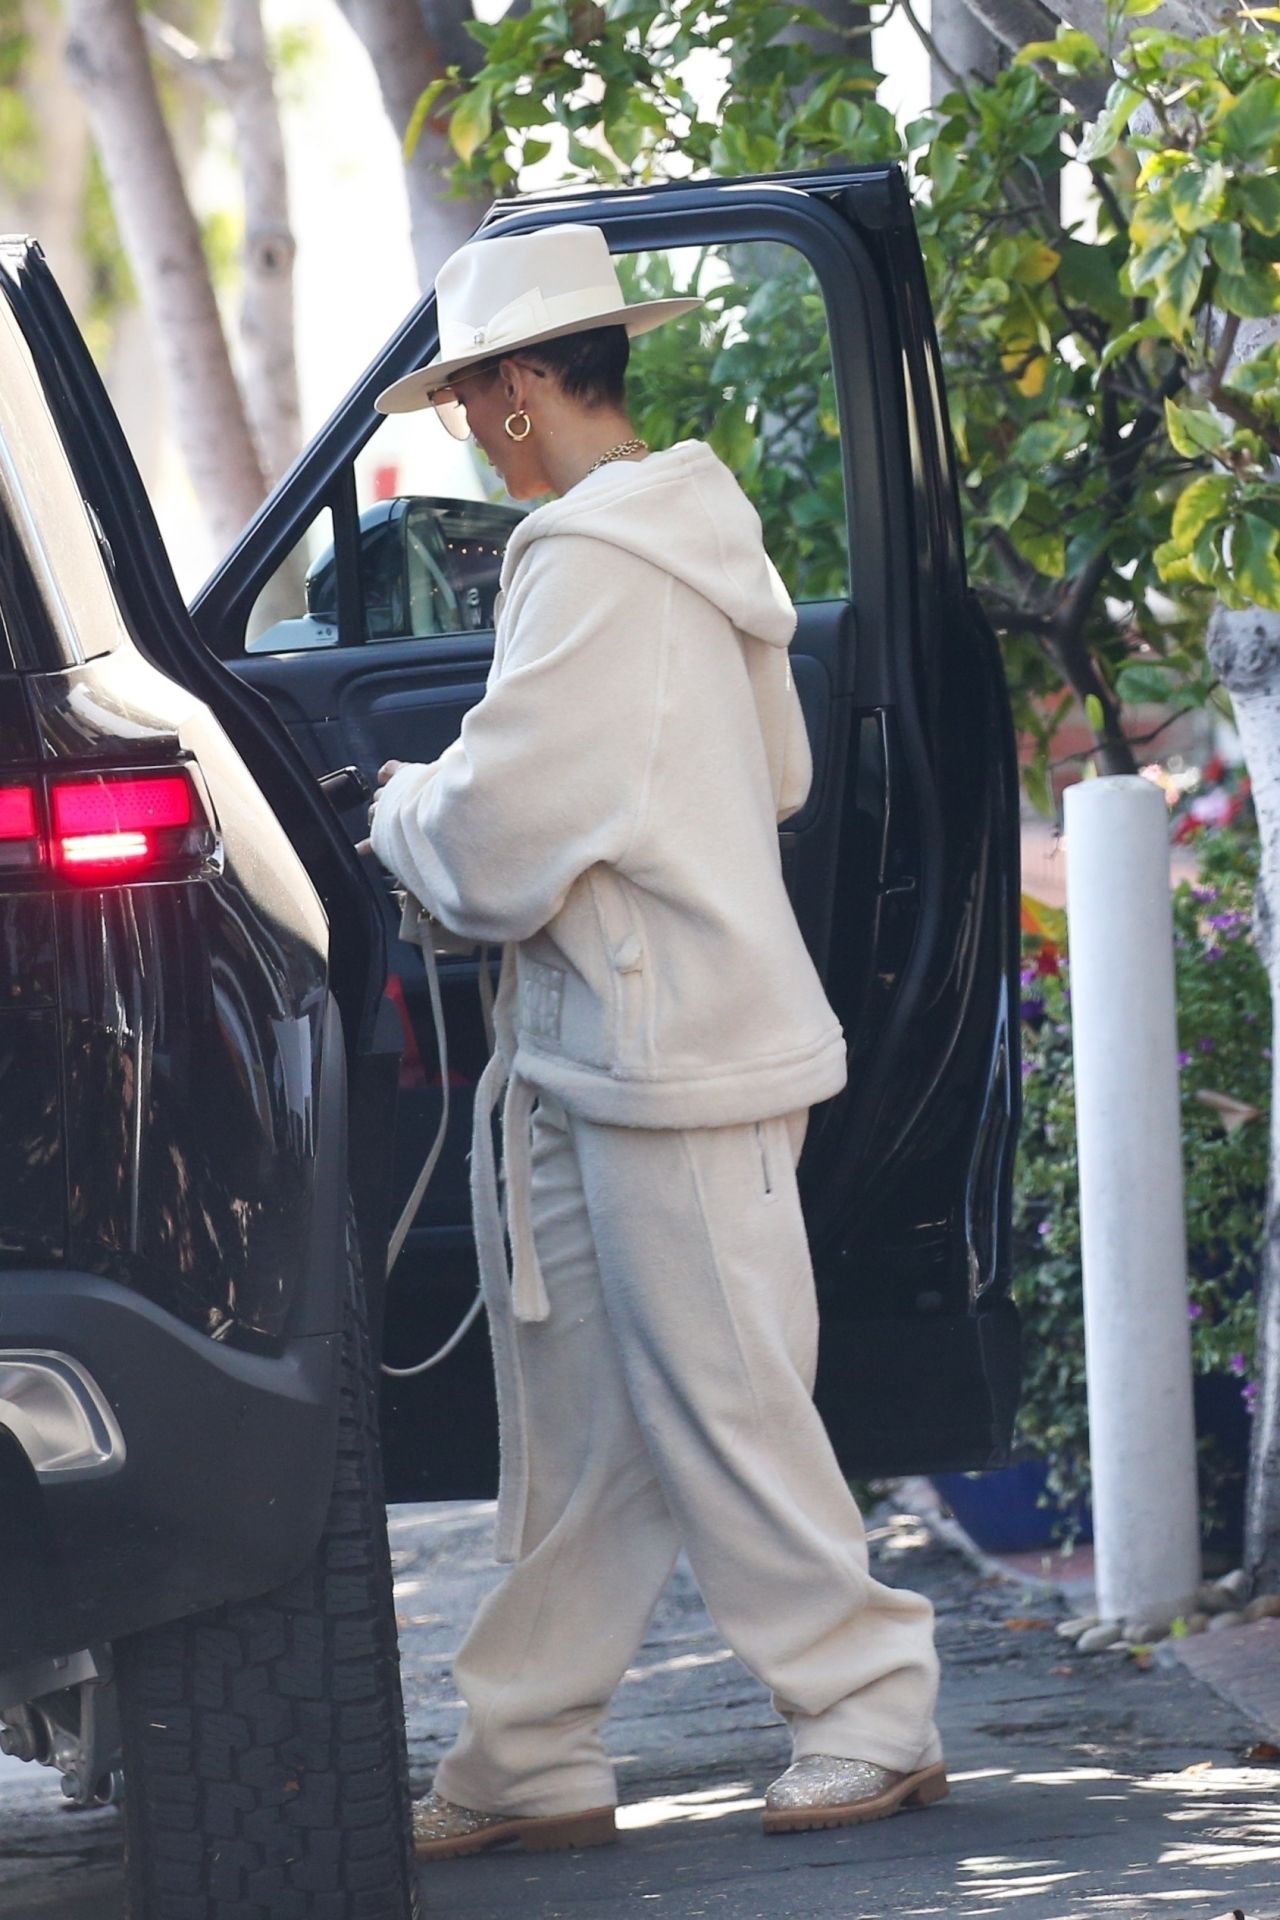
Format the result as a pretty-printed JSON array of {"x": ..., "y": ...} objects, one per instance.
[{"x": 611, "y": 808}]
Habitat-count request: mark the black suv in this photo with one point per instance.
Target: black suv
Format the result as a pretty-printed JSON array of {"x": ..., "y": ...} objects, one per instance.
[{"x": 210, "y": 1035}]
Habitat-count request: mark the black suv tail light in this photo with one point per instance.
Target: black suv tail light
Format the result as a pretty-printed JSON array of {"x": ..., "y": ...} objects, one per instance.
[
  {"x": 21, "y": 846},
  {"x": 117, "y": 826}
]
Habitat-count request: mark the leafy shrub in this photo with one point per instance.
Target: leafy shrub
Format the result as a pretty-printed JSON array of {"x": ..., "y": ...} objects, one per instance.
[{"x": 1224, "y": 1023}]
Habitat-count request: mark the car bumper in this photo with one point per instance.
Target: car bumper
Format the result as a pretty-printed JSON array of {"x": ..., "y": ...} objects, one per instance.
[{"x": 212, "y": 1484}]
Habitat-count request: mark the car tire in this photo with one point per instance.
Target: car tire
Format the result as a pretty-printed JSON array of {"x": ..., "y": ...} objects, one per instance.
[{"x": 265, "y": 1761}]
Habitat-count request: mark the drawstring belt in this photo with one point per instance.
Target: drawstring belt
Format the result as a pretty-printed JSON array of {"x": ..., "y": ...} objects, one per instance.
[{"x": 517, "y": 1293}]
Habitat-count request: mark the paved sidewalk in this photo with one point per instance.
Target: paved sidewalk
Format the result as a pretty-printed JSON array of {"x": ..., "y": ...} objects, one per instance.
[
  {"x": 1241, "y": 1664},
  {"x": 1082, "y": 1787}
]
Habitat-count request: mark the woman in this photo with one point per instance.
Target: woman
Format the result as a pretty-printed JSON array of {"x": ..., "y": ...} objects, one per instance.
[{"x": 609, "y": 813}]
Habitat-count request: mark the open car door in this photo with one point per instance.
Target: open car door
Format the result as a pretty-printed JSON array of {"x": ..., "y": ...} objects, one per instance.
[{"x": 359, "y": 604}]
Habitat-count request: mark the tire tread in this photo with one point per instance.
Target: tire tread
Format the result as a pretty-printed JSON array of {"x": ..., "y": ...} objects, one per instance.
[{"x": 266, "y": 1770}]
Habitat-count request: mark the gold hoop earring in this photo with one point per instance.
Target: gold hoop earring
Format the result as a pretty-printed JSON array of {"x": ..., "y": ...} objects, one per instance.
[{"x": 525, "y": 430}]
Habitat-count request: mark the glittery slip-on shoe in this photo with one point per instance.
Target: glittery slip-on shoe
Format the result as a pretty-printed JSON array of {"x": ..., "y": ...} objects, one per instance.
[
  {"x": 822, "y": 1791},
  {"x": 443, "y": 1831}
]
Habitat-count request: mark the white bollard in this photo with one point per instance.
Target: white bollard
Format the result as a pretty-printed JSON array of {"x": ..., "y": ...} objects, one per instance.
[{"x": 1133, "y": 1230}]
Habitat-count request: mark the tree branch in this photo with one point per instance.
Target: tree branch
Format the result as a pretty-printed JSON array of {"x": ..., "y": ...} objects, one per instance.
[{"x": 183, "y": 56}]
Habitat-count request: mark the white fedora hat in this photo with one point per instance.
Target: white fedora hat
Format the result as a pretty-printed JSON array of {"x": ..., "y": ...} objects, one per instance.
[{"x": 494, "y": 296}]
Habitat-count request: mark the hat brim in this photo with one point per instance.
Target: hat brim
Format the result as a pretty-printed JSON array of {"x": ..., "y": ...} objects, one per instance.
[{"x": 416, "y": 389}]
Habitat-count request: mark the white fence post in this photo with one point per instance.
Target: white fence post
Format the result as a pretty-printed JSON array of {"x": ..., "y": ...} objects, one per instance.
[{"x": 1133, "y": 1230}]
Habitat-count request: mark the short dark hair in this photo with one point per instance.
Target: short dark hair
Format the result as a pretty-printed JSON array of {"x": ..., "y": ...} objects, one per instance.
[{"x": 590, "y": 366}]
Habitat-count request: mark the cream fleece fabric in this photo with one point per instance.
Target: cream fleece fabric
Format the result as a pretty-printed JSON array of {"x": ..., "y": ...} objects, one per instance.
[
  {"x": 611, "y": 807},
  {"x": 669, "y": 1405}
]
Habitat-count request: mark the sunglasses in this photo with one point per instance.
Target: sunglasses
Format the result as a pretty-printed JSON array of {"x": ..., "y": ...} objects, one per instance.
[{"x": 452, "y": 412}]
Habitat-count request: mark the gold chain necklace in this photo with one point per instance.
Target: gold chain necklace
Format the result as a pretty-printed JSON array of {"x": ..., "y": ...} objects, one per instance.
[{"x": 620, "y": 452}]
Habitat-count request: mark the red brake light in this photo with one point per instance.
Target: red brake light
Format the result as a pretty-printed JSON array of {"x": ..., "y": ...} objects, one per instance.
[
  {"x": 20, "y": 848},
  {"x": 129, "y": 826},
  {"x": 17, "y": 813},
  {"x": 122, "y": 805}
]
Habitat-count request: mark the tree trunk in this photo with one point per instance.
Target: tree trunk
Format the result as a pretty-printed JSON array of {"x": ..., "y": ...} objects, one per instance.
[
  {"x": 961, "y": 48},
  {"x": 1244, "y": 649},
  {"x": 268, "y": 362},
  {"x": 108, "y": 58},
  {"x": 407, "y": 56},
  {"x": 50, "y": 206}
]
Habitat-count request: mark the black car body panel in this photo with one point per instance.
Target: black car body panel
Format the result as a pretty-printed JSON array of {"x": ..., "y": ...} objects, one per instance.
[{"x": 173, "y": 1070}]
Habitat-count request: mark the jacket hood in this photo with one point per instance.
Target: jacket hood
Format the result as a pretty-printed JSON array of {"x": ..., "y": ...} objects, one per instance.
[{"x": 682, "y": 509}]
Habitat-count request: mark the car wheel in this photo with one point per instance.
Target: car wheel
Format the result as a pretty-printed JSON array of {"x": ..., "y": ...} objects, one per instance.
[{"x": 265, "y": 1763}]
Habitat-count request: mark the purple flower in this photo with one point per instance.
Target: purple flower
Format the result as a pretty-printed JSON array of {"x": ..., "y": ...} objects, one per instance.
[
  {"x": 1060, "y": 1027},
  {"x": 1204, "y": 894},
  {"x": 1249, "y": 1394},
  {"x": 1236, "y": 1363},
  {"x": 1207, "y": 1044},
  {"x": 1043, "y": 1229},
  {"x": 1195, "y": 1311},
  {"x": 1032, "y": 1007},
  {"x": 1184, "y": 1058},
  {"x": 1027, "y": 975},
  {"x": 1213, "y": 953},
  {"x": 1028, "y": 1068}
]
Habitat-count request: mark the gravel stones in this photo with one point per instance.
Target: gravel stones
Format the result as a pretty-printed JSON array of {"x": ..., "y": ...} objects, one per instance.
[
  {"x": 1072, "y": 1629},
  {"x": 1098, "y": 1639},
  {"x": 1217, "y": 1606}
]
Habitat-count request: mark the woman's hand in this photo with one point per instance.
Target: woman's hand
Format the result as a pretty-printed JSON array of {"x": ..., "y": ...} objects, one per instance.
[{"x": 385, "y": 772}]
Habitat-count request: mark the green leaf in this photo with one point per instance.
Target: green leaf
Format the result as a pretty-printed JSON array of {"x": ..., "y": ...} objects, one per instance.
[
  {"x": 1008, "y": 498},
  {"x": 1121, "y": 343},
  {"x": 1255, "y": 565},
  {"x": 1039, "y": 443},
  {"x": 1193, "y": 431},
  {"x": 1071, "y": 51},
  {"x": 1260, "y": 198},
  {"x": 1199, "y": 504},
  {"x": 732, "y": 436},
  {"x": 1139, "y": 685},
  {"x": 1251, "y": 128},
  {"x": 1226, "y": 244},
  {"x": 471, "y": 122},
  {"x": 1179, "y": 290},
  {"x": 422, "y": 113},
  {"x": 1253, "y": 294},
  {"x": 1089, "y": 276},
  {"x": 1197, "y": 195},
  {"x": 1106, "y": 130},
  {"x": 1093, "y": 712},
  {"x": 1045, "y": 549},
  {"x": 1125, "y": 342}
]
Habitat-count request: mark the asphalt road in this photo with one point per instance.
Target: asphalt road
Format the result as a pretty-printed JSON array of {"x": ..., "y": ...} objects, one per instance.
[{"x": 1081, "y": 1786}]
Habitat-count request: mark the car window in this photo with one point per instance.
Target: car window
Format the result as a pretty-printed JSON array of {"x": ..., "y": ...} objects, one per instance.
[
  {"x": 750, "y": 372},
  {"x": 298, "y": 608}
]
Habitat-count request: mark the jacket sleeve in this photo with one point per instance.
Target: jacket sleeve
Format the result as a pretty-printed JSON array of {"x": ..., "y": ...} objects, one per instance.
[
  {"x": 797, "y": 757},
  {"x": 547, "y": 775}
]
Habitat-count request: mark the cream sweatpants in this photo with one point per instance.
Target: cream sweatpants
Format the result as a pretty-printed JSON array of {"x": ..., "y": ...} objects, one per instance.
[{"x": 668, "y": 1404}]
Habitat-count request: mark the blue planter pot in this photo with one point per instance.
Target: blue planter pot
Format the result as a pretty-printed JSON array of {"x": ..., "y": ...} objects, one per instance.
[{"x": 1000, "y": 1511}]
